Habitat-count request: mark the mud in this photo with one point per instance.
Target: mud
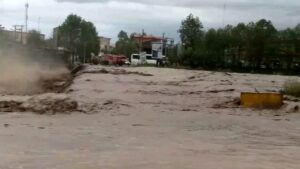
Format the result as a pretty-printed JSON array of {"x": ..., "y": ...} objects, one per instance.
[
  {"x": 11, "y": 106},
  {"x": 41, "y": 104},
  {"x": 164, "y": 121},
  {"x": 228, "y": 104},
  {"x": 116, "y": 72}
]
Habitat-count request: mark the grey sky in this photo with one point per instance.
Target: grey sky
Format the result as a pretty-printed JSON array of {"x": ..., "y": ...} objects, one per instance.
[{"x": 155, "y": 16}]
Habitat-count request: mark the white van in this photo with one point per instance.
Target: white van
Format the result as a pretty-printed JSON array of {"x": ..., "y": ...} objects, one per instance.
[
  {"x": 135, "y": 59},
  {"x": 139, "y": 59},
  {"x": 150, "y": 60}
]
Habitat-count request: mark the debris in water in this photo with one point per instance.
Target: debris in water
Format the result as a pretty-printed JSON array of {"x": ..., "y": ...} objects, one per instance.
[
  {"x": 116, "y": 72},
  {"x": 50, "y": 103},
  {"x": 234, "y": 103},
  {"x": 43, "y": 104},
  {"x": 219, "y": 91}
]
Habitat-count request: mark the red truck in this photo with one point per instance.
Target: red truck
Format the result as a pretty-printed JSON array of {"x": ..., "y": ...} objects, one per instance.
[{"x": 110, "y": 59}]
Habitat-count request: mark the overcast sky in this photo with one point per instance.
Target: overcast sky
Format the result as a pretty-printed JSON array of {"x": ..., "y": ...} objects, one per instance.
[{"x": 155, "y": 16}]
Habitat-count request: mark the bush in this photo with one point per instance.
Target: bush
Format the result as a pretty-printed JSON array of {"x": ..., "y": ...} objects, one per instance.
[{"x": 292, "y": 88}]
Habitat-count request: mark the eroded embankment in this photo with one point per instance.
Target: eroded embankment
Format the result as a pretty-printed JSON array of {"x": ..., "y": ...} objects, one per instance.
[
  {"x": 50, "y": 103},
  {"x": 39, "y": 92}
]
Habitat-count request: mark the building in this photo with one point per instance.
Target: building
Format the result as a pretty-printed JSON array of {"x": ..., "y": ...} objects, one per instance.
[
  {"x": 150, "y": 44},
  {"x": 146, "y": 43},
  {"x": 55, "y": 37},
  {"x": 18, "y": 36},
  {"x": 145, "y": 38},
  {"x": 104, "y": 44}
]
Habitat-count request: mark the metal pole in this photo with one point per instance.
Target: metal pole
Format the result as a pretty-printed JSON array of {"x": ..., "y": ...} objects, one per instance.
[
  {"x": 22, "y": 35},
  {"x": 26, "y": 16},
  {"x": 163, "y": 43},
  {"x": 141, "y": 41}
]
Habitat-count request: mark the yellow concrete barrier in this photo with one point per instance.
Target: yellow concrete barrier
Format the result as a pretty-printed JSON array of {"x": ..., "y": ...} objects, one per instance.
[{"x": 262, "y": 100}]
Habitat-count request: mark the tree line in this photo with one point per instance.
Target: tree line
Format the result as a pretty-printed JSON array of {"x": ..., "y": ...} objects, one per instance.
[{"x": 254, "y": 45}]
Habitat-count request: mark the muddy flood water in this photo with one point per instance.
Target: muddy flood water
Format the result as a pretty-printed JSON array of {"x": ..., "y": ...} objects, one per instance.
[{"x": 132, "y": 118}]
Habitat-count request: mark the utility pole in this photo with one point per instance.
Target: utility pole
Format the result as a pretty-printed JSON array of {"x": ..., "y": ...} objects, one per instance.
[
  {"x": 26, "y": 17},
  {"x": 141, "y": 39},
  {"x": 18, "y": 29},
  {"x": 163, "y": 43}
]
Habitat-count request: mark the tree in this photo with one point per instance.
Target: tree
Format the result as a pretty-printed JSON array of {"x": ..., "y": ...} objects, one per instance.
[
  {"x": 297, "y": 31},
  {"x": 125, "y": 45},
  {"x": 191, "y": 35},
  {"x": 263, "y": 32},
  {"x": 79, "y": 36},
  {"x": 89, "y": 41},
  {"x": 191, "y": 31},
  {"x": 290, "y": 43},
  {"x": 35, "y": 39},
  {"x": 172, "y": 54},
  {"x": 214, "y": 47},
  {"x": 297, "y": 39},
  {"x": 238, "y": 40},
  {"x": 123, "y": 36}
]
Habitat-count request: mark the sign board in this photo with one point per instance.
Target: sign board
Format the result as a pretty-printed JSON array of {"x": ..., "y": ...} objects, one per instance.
[{"x": 157, "y": 49}]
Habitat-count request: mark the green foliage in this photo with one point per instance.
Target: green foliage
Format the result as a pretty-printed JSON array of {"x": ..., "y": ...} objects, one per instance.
[
  {"x": 125, "y": 45},
  {"x": 35, "y": 39},
  {"x": 79, "y": 36},
  {"x": 123, "y": 36},
  {"x": 172, "y": 54},
  {"x": 262, "y": 32},
  {"x": 192, "y": 37},
  {"x": 292, "y": 88},
  {"x": 250, "y": 45},
  {"x": 191, "y": 32},
  {"x": 292, "y": 35}
]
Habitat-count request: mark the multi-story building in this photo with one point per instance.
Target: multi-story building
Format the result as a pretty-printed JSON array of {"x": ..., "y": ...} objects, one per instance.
[
  {"x": 153, "y": 45},
  {"x": 104, "y": 44}
]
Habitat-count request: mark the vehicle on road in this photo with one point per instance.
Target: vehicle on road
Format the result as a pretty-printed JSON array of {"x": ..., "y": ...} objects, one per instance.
[
  {"x": 140, "y": 59},
  {"x": 113, "y": 60}
]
